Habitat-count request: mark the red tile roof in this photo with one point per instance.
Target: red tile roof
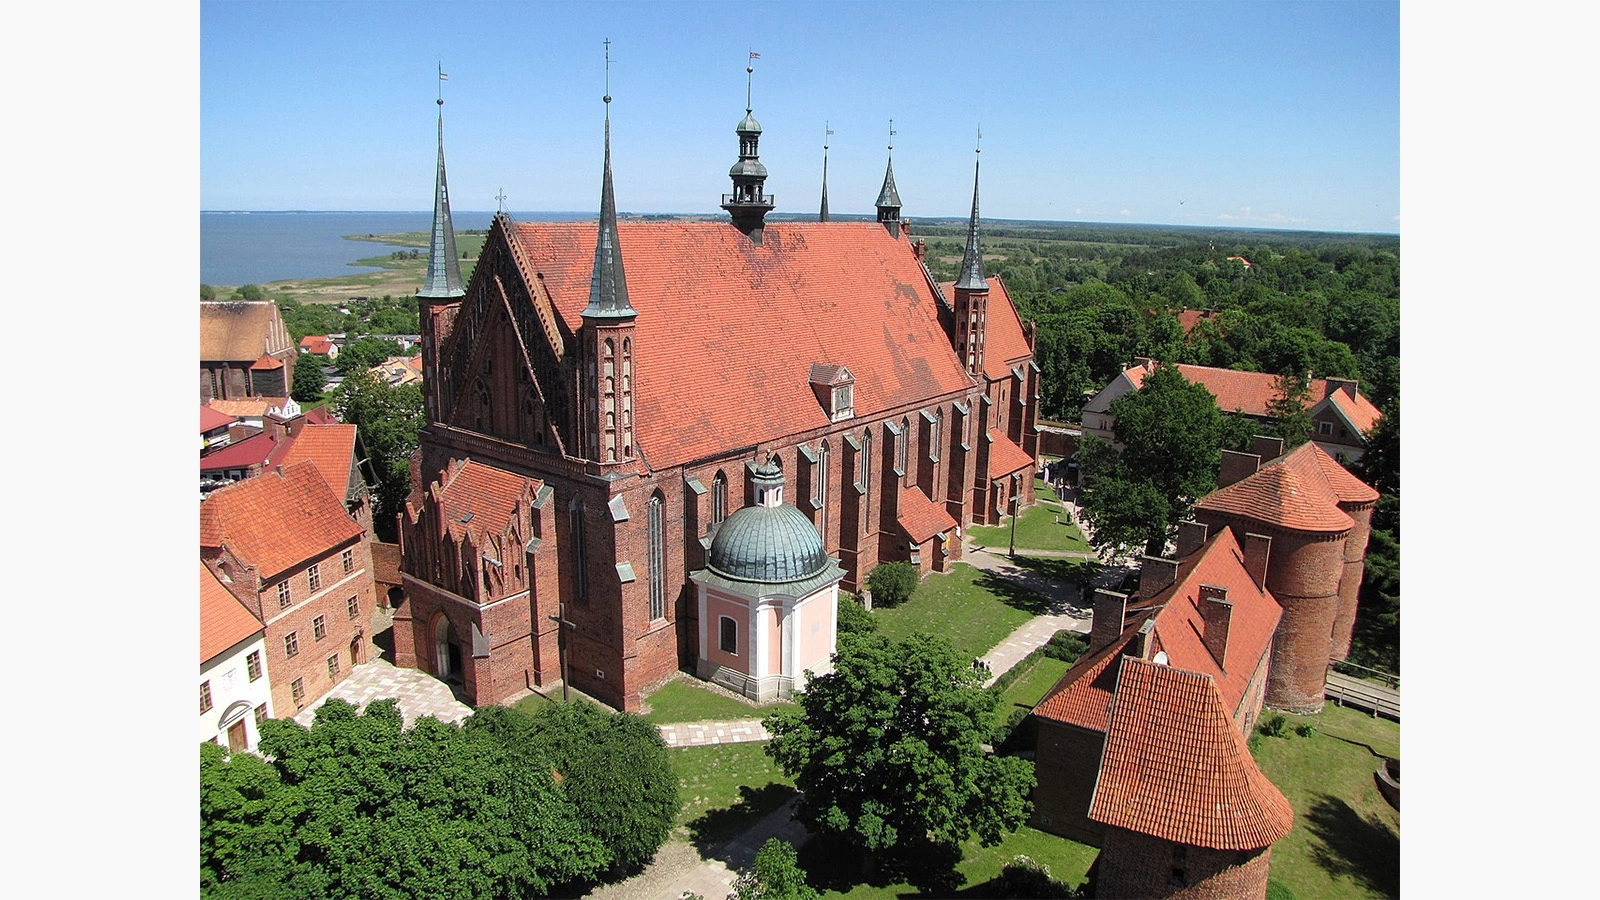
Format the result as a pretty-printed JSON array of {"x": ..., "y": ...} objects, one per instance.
[
  {"x": 1180, "y": 625},
  {"x": 267, "y": 362},
  {"x": 317, "y": 344},
  {"x": 740, "y": 326},
  {"x": 1358, "y": 409},
  {"x": 212, "y": 419},
  {"x": 1176, "y": 768},
  {"x": 331, "y": 448},
  {"x": 922, "y": 518},
  {"x": 1004, "y": 342},
  {"x": 489, "y": 495},
  {"x": 1082, "y": 696},
  {"x": 1189, "y": 318},
  {"x": 1250, "y": 392},
  {"x": 277, "y": 521},
  {"x": 1300, "y": 490},
  {"x": 235, "y": 331},
  {"x": 1005, "y": 457},
  {"x": 224, "y": 621},
  {"x": 248, "y": 407}
]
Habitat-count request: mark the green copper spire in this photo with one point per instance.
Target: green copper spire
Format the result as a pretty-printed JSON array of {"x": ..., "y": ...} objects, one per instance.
[
  {"x": 608, "y": 289},
  {"x": 972, "y": 277},
  {"x": 444, "y": 266}
]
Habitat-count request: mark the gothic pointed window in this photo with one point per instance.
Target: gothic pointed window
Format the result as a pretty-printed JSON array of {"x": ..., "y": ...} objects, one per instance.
[
  {"x": 658, "y": 560},
  {"x": 900, "y": 445},
  {"x": 719, "y": 499},
  {"x": 821, "y": 491},
  {"x": 935, "y": 434},
  {"x": 580, "y": 559},
  {"x": 866, "y": 461}
]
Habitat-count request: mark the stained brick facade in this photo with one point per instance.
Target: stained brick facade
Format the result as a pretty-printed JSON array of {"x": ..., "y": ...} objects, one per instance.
[{"x": 1139, "y": 865}]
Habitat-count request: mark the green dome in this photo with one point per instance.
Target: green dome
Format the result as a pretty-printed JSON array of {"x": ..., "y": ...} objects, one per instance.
[
  {"x": 767, "y": 544},
  {"x": 749, "y": 125}
]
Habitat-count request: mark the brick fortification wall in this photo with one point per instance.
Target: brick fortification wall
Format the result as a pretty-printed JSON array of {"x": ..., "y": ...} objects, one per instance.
[
  {"x": 1139, "y": 865},
  {"x": 1065, "y": 786}
]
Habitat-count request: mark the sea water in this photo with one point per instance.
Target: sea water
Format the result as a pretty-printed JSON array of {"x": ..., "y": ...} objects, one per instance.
[{"x": 257, "y": 247}]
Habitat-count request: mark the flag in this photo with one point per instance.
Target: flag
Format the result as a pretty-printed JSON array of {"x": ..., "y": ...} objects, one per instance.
[
  {"x": 754, "y": 55},
  {"x": 443, "y": 77}
]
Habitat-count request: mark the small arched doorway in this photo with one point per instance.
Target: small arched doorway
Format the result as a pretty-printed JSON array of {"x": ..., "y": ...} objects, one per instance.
[{"x": 446, "y": 651}]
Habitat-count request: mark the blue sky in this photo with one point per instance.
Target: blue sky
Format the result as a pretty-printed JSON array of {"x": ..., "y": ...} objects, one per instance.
[{"x": 1282, "y": 115}]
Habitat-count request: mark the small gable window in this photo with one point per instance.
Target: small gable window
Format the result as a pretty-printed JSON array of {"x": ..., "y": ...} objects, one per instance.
[{"x": 835, "y": 390}]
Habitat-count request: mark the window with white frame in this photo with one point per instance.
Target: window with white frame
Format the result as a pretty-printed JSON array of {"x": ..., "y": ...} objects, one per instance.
[
  {"x": 252, "y": 664},
  {"x": 729, "y": 635},
  {"x": 347, "y": 560},
  {"x": 291, "y": 645},
  {"x": 314, "y": 578},
  {"x": 283, "y": 594},
  {"x": 205, "y": 696}
]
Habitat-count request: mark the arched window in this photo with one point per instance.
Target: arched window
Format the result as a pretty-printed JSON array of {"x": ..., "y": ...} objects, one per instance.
[
  {"x": 866, "y": 461},
  {"x": 719, "y": 499},
  {"x": 580, "y": 564},
  {"x": 658, "y": 560},
  {"x": 821, "y": 492},
  {"x": 900, "y": 445},
  {"x": 935, "y": 434},
  {"x": 446, "y": 654}
]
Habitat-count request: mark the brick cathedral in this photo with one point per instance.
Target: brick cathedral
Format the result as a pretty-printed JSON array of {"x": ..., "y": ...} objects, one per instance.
[{"x": 601, "y": 396}]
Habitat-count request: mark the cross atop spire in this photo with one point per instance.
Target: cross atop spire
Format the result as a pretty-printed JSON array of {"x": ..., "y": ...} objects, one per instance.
[{"x": 443, "y": 278}]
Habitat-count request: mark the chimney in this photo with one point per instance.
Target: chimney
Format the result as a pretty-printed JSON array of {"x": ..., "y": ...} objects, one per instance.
[
  {"x": 1257, "y": 550},
  {"x": 1268, "y": 448},
  {"x": 1348, "y": 385},
  {"x": 1191, "y": 537},
  {"x": 1156, "y": 575},
  {"x": 920, "y": 249},
  {"x": 1144, "y": 362},
  {"x": 1236, "y": 467},
  {"x": 1110, "y": 608},
  {"x": 1216, "y": 611},
  {"x": 1142, "y": 646}
]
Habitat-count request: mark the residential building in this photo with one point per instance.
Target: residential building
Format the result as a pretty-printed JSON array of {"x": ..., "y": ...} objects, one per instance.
[
  {"x": 632, "y": 376},
  {"x": 319, "y": 345},
  {"x": 235, "y": 691},
  {"x": 1341, "y": 417},
  {"x": 284, "y": 544}
]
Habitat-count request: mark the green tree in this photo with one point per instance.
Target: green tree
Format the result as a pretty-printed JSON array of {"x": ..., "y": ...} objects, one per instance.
[
  {"x": 775, "y": 875},
  {"x": 357, "y": 807},
  {"x": 887, "y": 749},
  {"x": 617, "y": 771},
  {"x": 1171, "y": 433},
  {"x": 853, "y": 617},
  {"x": 308, "y": 380},
  {"x": 207, "y": 293},
  {"x": 248, "y": 292},
  {"x": 1376, "y": 639},
  {"x": 364, "y": 353},
  {"x": 892, "y": 583},
  {"x": 389, "y": 420},
  {"x": 1290, "y": 410}
]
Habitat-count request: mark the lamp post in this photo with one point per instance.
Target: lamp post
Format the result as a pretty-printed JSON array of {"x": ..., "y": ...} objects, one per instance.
[{"x": 1013, "y": 527}]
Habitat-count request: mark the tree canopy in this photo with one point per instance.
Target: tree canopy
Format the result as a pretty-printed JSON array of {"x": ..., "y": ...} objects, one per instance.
[
  {"x": 887, "y": 749},
  {"x": 308, "y": 380},
  {"x": 1171, "y": 434},
  {"x": 775, "y": 875},
  {"x": 355, "y": 806},
  {"x": 389, "y": 420}
]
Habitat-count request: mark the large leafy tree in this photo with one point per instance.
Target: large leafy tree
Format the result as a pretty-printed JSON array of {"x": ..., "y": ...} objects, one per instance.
[
  {"x": 389, "y": 420},
  {"x": 356, "y": 806},
  {"x": 775, "y": 875},
  {"x": 1290, "y": 410},
  {"x": 887, "y": 749},
  {"x": 1376, "y": 640},
  {"x": 1171, "y": 433},
  {"x": 308, "y": 380}
]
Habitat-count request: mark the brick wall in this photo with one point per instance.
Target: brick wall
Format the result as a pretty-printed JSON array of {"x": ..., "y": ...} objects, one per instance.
[
  {"x": 1139, "y": 865},
  {"x": 1068, "y": 762},
  {"x": 331, "y": 602}
]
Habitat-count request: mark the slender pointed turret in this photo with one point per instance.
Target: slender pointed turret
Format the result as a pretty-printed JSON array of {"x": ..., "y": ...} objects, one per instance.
[
  {"x": 823, "y": 217},
  {"x": 606, "y": 336},
  {"x": 889, "y": 198},
  {"x": 444, "y": 266},
  {"x": 972, "y": 293},
  {"x": 972, "y": 277},
  {"x": 441, "y": 293},
  {"x": 608, "y": 287}
]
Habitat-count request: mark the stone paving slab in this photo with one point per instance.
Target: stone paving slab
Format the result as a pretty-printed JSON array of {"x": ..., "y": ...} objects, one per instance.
[
  {"x": 695, "y": 734},
  {"x": 419, "y": 694}
]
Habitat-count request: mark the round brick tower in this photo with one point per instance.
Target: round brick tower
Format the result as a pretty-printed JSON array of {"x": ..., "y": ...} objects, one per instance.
[{"x": 1318, "y": 516}]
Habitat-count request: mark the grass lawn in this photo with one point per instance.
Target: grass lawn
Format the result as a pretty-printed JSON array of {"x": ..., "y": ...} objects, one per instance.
[
  {"x": 837, "y": 874},
  {"x": 683, "y": 700},
  {"x": 1030, "y": 688},
  {"x": 726, "y": 788},
  {"x": 967, "y": 606},
  {"x": 1037, "y": 529},
  {"x": 1346, "y": 838}
]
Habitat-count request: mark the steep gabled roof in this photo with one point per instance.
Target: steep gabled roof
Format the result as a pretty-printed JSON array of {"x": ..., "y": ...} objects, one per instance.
[
  {"x": 1176, "y": 768},
  {"x": 240, "y": 331},
  {"x": 845, "y": 292},
  {"x": 1006, "y": 457},
  {"x": 254, "y": 450},
  {"x": 482, "y": 495},
  {"x": 316, "y": 344},
  {"x": 1251, "y": 392},
  {"x": 331, "y": 448},
  {"x": 1357, "y": 410},
  {"x": 1082, "y": 696},
  {"x": 1300, "y": 490},
  {"x": 224, "y": 621},
  {"x": 922, "y": 518},
  {"x": 278, "y": 520},
  {"x": 1004, "y": 342},
  {"x": 248, "y": 407}
]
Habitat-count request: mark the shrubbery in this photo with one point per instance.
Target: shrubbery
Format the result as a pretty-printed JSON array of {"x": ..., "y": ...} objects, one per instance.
[
  {"x": 892, "y": 583},
  {"x": 1067, "y": 645},
  {"x": 853, "y": 617}
]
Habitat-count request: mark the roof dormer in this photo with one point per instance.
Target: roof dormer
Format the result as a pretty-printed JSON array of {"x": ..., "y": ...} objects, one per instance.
[{"x": 835, "y": 389}]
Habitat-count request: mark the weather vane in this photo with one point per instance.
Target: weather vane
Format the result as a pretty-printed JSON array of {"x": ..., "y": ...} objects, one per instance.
[
  {"x": 826, "y": 133},
  {"x": 891, "y": 134},
  {"x": 500, "y": 198},
  {"x": 607, "y": 97},
  {"x": 980, "y": 140},
  {"x": 442, "y": 79},
  {"x": 749, "y": 76}
]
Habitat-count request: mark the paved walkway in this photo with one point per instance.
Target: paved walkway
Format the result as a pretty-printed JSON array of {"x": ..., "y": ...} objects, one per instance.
[
  {"x": 419, "y": 694},
  {"x": 696, "y": 734},
  {"x": 678, "y": 867}
]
